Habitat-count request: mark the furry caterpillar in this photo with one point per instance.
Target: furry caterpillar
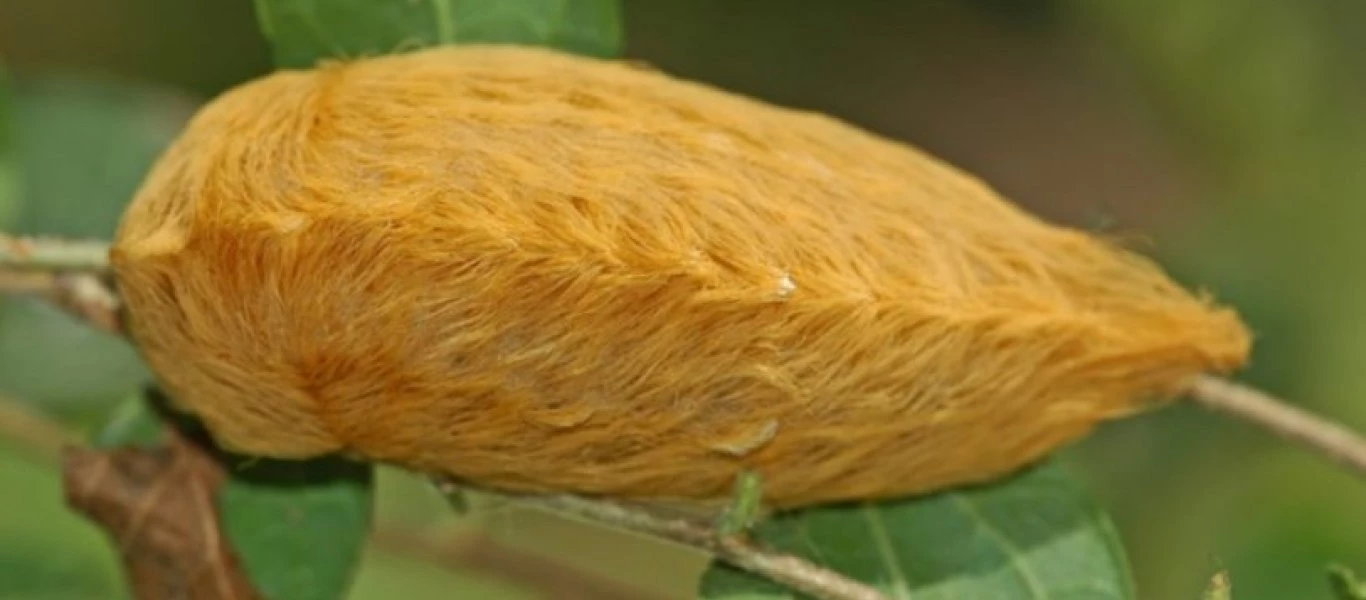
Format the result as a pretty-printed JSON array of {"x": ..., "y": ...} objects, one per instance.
[{"x": 542, "y": 272}]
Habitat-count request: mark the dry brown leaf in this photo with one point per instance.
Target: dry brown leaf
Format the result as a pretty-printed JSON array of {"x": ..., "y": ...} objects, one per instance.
[{"x": 157, "y": 505}]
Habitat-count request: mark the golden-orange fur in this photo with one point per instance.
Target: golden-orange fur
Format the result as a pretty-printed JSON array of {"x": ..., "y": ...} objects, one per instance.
[{"x": 538, "y": 272}]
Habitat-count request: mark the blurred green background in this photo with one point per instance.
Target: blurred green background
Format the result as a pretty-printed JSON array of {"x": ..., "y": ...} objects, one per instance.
[{"x": 1229, "y": 136}]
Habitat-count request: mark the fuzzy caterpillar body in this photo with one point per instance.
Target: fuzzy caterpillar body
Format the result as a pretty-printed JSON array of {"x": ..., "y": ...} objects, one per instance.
[{"x": 542, "y": 272}]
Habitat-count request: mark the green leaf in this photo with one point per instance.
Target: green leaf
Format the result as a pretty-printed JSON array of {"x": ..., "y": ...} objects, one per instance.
[
  {"x": 298, "y": 527},
  {"x": 1033, "y": 536},
  {"x": 133, "y": 422},
  {"x": 81, "y": 149},
  {"x": 84, "y": 146},
  {"x": 302, "y": 32}
]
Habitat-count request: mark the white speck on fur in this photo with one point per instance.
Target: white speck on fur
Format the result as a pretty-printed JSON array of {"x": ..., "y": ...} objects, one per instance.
[
  {"x": 818, "y": 167},
  {"x": 744, "y": 446},
  {"x": 720, "y": 141},
  {"x": 291, "y": 223},
  {"x": 786, "y": 286}
]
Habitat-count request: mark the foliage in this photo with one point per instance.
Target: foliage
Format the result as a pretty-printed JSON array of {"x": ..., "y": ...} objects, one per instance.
[
  {"x": 299, "y": 527},
  {"x": 49, "y": 552},
  {"x": 304, "y": 31},
  {"x": 1267, "y": 103},
  {"x": 1035, "y": 535},
  {"x": 81, "y": 148}
]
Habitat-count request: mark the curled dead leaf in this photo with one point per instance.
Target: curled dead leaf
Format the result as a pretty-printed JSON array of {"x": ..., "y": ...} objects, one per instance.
[{"x": 157, "y": 506}]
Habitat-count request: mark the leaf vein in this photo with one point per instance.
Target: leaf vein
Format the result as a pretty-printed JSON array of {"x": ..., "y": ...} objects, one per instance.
[
  {"x": 1017, "y": 561},
  {"x": 890, "y": 559}
]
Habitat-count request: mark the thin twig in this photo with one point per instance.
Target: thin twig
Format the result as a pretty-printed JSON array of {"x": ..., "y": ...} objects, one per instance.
[
  {"x": 799, "y": 574},
  {"x": 791, "y": 571},
  {"x": 1330, "y": 440},
  {"x": 85, "y": 295},
  {"x": 53, "y": 254},
  {"x": 69, "y": 274}
]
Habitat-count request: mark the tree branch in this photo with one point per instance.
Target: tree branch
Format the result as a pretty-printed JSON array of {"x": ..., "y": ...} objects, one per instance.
[{"x": 1326, "y": 438}]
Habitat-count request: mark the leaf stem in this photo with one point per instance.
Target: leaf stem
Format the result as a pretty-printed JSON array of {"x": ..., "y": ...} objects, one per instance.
[
  {"x": 1328, "y": 439},
  {"x": 84, "y": 295},
  {"x": 791, "y": 571}
]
